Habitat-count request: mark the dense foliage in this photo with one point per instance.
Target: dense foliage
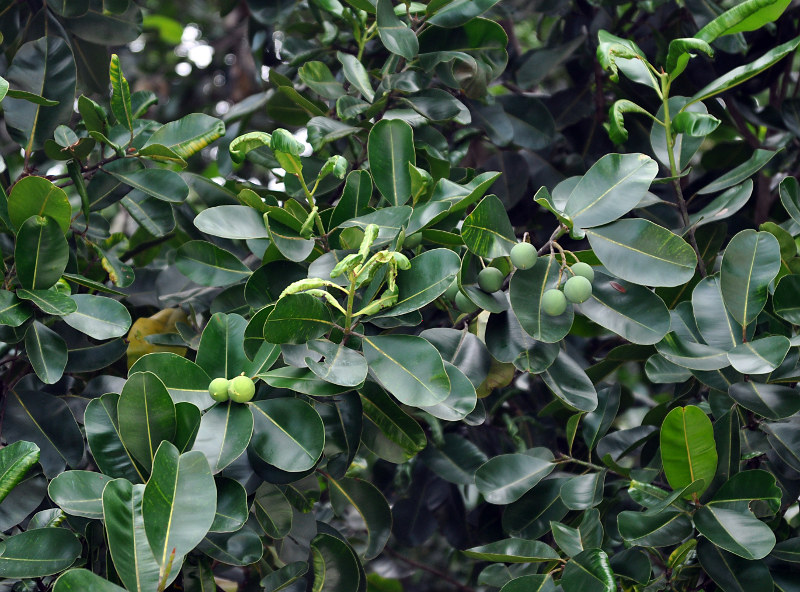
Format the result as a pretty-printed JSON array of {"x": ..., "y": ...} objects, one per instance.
[{"x": 372, "y": 296}]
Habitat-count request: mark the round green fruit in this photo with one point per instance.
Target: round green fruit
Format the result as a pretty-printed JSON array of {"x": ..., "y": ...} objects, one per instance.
[
  {"x": 412, "y": 241},
  {"x": 584, "y": 270},
  {"x": 218, "y": 389},
  {"x": 241, "y": 389},
  {"x": 523, "y": 255},
  {"x": 452, "y": 290},
  {"x": 490, "y": 279},
  {"x": 464, "y": 304},
  {"x": 578, "y": 289},
  {"x": 554, "y": 302}
]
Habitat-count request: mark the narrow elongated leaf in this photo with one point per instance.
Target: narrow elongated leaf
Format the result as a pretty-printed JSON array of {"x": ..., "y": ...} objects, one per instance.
[
  {"x": 391, "y": 149},
  {"x": 120, "y": 95},
  {"x": 750, "y": 262},
  {"x": 47, "y": 352},
  {"x": 39, "y": 552},
  {"x": 99, "y": 317},
  {"x": 102, "y": 433},
  {"x": 224, "y": 434},
  {"x": 513, "y": 551},
  {"x": 740, "y": 173},
  {"x": 643, "y": 253},
  {"x": 178, "y": 504},
  {"x": 287, "y": 433},
  {"x": 371, "y": 506},
  {"x": 688, "y": 451},
  {"x": 127, "y": 541},
  {"x": 506, "y": 478},
  {"x": 745, "y": 16},
  {"x": 146, "y": 416},
  {"x": 15, "y": 460}
]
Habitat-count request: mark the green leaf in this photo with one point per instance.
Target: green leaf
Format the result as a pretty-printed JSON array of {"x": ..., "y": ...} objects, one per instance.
[
  {"x": 530, "y": 583},
  {"x": 318, "y": 77},
  {"x": 41, "y": 253},
  {"x": 284, "y": 577},
  {"x": 389, "y": 221},
  {"x": 36, "y": 196},
  {"x": 127, "y": 541},
  {"x": 654, "y": 529},
  {"x": 610, "y": 189},
  {"x": 696, "y": 125},
  {"x": 724, "y": 205},
  {"x": 241, "y": 548},
  {"x": 525, "y": 293},
  {"x": 99, "y": 317},
  {"x": 46, "y": 68},
  {"x": 748, "y": 486},
  {"x": 462, "y": 398},
  {"x": 394, "y": 34},
  {"x": 224, "y": 434},
  {"x": 388, "y": 431},
  {"x": 288, "y": 241},
  {"x": 430, "y": 275},
  {"x": 209, "y": 265},
  {"x": 568, "y": 381},
  {"x": 634, "y": 312},
  {"x": 120, "y": 95},
  {"x": 690, "y": 354},
  {"x": 221, "y": 350},
  {"x": 688, "y": 451},
  {"x": 235, "y": 222},
  {"x": 48, "y": 301},
  {"x": 409, "y": 367},
  {"x": 76, "y": 580},
  {"x": 178, "y": 504},
  {"x": 102, "y": 433},
  {"x": 455, "y": 459},
  {"x": 738, "y": 174},
  {"x": 297, "y": 318},
  {"x": 589, "y": 535},
  {"x": 15, "y": 461},
  {"x": 643, "y": 253},
  {"x": 513, "y": 551},
  {"x": 301, "y": 380},
  {"x": 789, "y": 190},
  {"x": 154, "y": 215},
  {"x": 37, "y": 553},
  {"x": 589, "y": 571},
  {"x": 287, "y": 433},
  {"x": 79, "y": 493},
  {"x": 391, "y": 149},
  {"x": 162, "y": 184},
  {"x": 355, "y": 198},
  {"x": 370, "y": 505},
  {"x": 232, "y": 507},
  {"x": 340, "y": 365},
  {"x": 744, "y": 73},
  {"x": 748, "y": 15},
  {"x": 616, "y": 119},
  {"x": 146, "y": 416},
  {"x": 732, "y": 573},
  {"x": 336, "y": 567},
  {"x": 272, "y": 510},
  {"x": 13, "y": 311},
  {"x": 583, "y": 491},
  {"x": 680, "y": 51},
  {"x": 772, "y": 401},
  {"x": 356, "y": 74},
  {"x": 459, "y": 12},
  {"x": 185, "y": 380},
  {"x": 507, "y": 477},
  {"x": 530, "y": 516},
  {"x": 47, "y": 352},
  {"x": 734, "y": 528},
  {"x": 760, "y": 356},
  {"x": 715, "y": 324},
  {"x": 487, "y": 231},
  {"x": 750, "y": 262},
  {"x": 188, "y": 135}
]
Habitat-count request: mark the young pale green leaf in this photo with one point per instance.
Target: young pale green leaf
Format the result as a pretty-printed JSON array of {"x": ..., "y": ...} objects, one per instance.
[
  {"x": 697, "y": 125},
  {"x": 616, "y": 119},
  {"x": 15, "y": 461},
  {"x": 688, "y": 451},
  {"x": 188, "y": 135},
  {"x": 748, "y": 15},
  {"x": 680, "y": 51},
  {"x": 120, "y": 95}
]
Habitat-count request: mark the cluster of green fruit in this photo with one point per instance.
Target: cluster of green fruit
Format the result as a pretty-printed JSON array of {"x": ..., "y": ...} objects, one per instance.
[
  {"x": 577, "y": 289},
  {"x": 239, "y": 389}
]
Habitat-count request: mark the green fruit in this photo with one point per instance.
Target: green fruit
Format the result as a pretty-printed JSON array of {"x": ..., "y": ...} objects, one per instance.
[
  {"x": 218, "y": 389},
  {"x": 464, "y": 304},
  {"x": 490, "y": 279},
  {"x": 554, "y": 302},
  {"x": 584, "y": 270},
  {"x": 452, "y": 290},
  {"x": 412, "y": 241},
  {"x": 241, "y": 389},
  {"x": 577, "y": 289},
  {"x": 523, "y": 255}
]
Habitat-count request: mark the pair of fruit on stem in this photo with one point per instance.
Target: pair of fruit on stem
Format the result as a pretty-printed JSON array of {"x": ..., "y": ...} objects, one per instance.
[{"x": 239, "y": 389}]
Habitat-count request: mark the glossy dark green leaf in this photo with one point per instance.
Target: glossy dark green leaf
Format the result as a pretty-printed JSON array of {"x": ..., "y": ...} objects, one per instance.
[
  {"x": 272, "y": 510},
  {"x": 389, "y": 221},
  {"x": 596, "y": 423},
  {"x": 209, "y": 265},
  {"x": 47, "y": 352},
  {"x": 430, "y": 275},
  {"x": 162, "y": 184},
  {"x": 178, "y": 504},
  {"x": 530, "y": 516},
  {"x": 48, "y": 301},
  {"x": 355, "y": 198},
  {"x": 318, "y": 77},
  {"x": 339, "y": 365},
  {"x": 224, "y": 434},
  {"x": 589, "y": 535},
  {"x": 301, "y": 380},
  {"x": 505, "y": 478},
  {"x": 127, "y": 542},
  {"x": 513, "y": 551},
  {"x": 690, "y": 354},
  {"x": 44, "y": 67},
  {"x": 146, "y": 416},
  {"x": 370, "y": 505},
  {"x": 568, "y": 381},
  {"x": 102, "y": 433},
  {"x": 487, "y": 231},
  {"x": 235, "y": 222},
  {"x": 784, "y": 437},
  {"x": 154, "y": 215},
  {"x": 734, "y": 528},
  {"x": 688, "y": 451},
  {"x": 759, "y": 356},
  {"x": 654, "y": 529},
  {"x": 786, "y": 297},
  {"x": 297, "y": 318},
  {"x": 455, "y": 460},
  {"x": 79, "y": 493},
  {"x": 525, "y": 292},
  {"x": 530, "y": 583},
  {"x": 643, "y": 253},
  {"x": 589, "y": 571},
  {"x": 391, "y": 150},
  {"x": 336, "y": 566},
  {"x": 287, "y": 433},
  {"x": 732, "y": 573},
  {"x": 291, "y": 245},
  {"x": 724, "y": 205},
  {"x": 41, "y": 253},
  {"x": 39, "y": 552},
  {"x": 750, "y": 262},
  {"x": 634, "y": 312},
  {"x": 221, "y": 350},
  {"x": 232, "y": 507},
  {"x": 583, "y": 491},
  {"x": 387, "y": 430},
  {"x": 15, "y": 461},
  {"x": 789, "y": 190},
  {"x": 242, "y": 547},
  {"x": 79, "y": 579},
  {"x": 462, "y": 398},
  {"x": 773, "y": 401},
  {"x": 185, "y": 380},
  {"x": 610, "y": 189},
  {"x": 356, "y": 74},
  {"x": 13, "y": 312},
  {"x": 99, "y": 317},
  {"x": 716, "y": 325},
  {"x": 409, "y": 367},
  {"x": 189, "y": 134},
  {"x": 36, "y": 196},
  {"x": 284, "y": 577},
  {"x": 395, "y": 35}
]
